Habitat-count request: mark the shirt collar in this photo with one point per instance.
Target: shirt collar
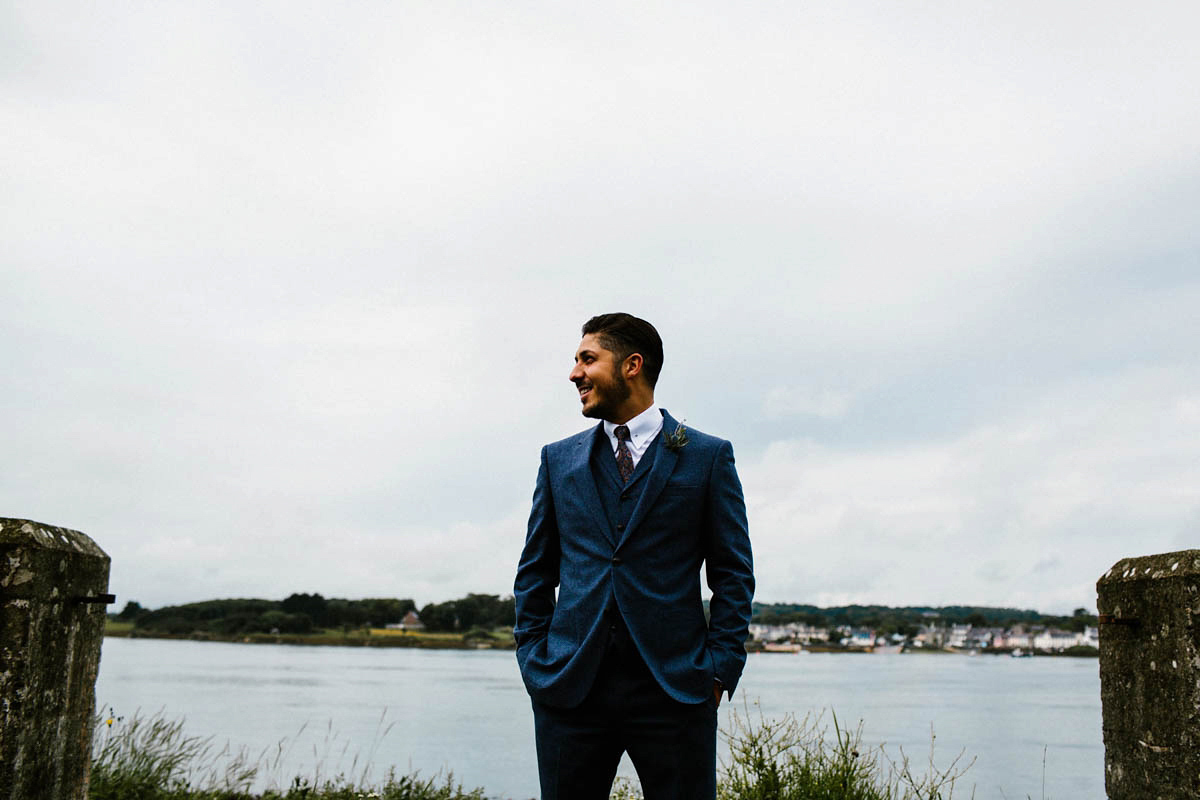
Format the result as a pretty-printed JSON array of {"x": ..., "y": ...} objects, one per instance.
[{"x": 642, "y": 428}]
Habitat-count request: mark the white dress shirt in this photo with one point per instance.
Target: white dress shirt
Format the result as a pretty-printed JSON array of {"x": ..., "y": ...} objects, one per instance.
[{"x": 642, "y": 430}]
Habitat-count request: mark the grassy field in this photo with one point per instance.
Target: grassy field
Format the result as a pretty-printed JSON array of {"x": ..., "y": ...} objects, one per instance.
[
  {"x": 415, "y": 635},
  {"x": 478, "y": 639}
]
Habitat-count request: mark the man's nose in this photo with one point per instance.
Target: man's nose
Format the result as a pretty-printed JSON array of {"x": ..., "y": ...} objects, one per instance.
[{"x": 576, "y": 373}]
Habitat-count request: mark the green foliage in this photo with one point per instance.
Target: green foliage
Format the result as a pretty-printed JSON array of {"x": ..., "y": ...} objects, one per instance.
[
  {"x": 796, "y": 759},
  {"x": 404, "y": 787},
  {"x": 150, "y": 758},
  {"x": 298, "y": 613},
  {"x": 1081, "y": 651},
  {"x": 284, "y": 622},
  {"x": 132, "y": 610},
  {"x": 623, "y": 789},
  {"x": 485, "y": 611},
  {"x": 311, "y": 605},
  {"x": 790, "y": 759},
  {"x": 213, "y": 616}
]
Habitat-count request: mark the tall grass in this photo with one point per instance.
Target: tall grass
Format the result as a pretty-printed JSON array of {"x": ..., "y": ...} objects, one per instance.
[
  {"x": 327, "y": 757},
  {"x": 790, "y": 758},
  {"x": 785, "y": 758},
  {"x": 151, "y": 758}
]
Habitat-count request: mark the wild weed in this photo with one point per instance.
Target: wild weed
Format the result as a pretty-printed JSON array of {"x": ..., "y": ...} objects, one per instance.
[
  {"x": 797, "y": 759},
  {"x": 150, "y": 758}
]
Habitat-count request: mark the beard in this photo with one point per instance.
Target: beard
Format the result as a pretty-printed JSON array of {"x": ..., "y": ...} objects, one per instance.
[{"x": 608, "y": 398}]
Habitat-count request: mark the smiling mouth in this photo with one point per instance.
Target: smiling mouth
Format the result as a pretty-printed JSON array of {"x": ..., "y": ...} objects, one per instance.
[{"x": 584, "y": 391}]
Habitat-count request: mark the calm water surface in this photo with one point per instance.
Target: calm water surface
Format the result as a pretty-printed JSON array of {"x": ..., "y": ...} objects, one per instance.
[{"x": 313, "y": 709}]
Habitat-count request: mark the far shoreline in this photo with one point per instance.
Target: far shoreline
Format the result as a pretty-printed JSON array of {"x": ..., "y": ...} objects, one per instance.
[
  {"x": 1078, "y": 652},
  {"x": 358, "y": 638},
  {"x": 379, "y": 638}
]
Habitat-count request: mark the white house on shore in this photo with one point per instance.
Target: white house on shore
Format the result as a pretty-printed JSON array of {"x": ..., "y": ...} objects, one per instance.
[
  {"x": 1054, "y": 639},
  {"x": 411, "y": 622},
  {"x": 790, "y": 632}
]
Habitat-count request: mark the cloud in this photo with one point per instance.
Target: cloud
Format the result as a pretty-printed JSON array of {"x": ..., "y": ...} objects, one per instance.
[
  {"x": 782, "y": 402},
  {"x": 1036, "y": 505},
  {"x": 289, "y": 292}
]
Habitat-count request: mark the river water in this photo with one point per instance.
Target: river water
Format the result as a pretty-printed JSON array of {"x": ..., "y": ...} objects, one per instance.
[{"x": 321, "y": 711}]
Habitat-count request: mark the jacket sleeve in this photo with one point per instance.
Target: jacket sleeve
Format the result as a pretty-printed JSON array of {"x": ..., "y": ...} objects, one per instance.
[
  {"x": 729, "y": 570},
  {"x": 537, "y": 572}
]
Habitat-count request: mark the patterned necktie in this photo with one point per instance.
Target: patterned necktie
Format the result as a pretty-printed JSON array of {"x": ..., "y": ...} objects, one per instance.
[{"x": 624, "y": 458}]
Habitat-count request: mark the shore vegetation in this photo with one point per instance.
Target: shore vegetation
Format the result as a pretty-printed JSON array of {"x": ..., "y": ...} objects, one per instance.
[
  {"x": 311, "y": 613},
  {"x": 786, "y": 758}
]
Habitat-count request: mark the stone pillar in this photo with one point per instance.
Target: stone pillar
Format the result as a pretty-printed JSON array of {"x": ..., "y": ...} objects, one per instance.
[
  {"x": 1150, "y": 676},
  {"x": 53, "y": 585}
]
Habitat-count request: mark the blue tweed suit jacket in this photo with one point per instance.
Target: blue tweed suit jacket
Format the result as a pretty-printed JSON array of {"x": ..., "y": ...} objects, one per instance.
[{"x": 690, "y": 513}]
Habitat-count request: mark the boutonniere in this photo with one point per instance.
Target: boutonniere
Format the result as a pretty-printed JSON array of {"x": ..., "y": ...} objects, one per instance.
[{"x": 677, "y": 440}]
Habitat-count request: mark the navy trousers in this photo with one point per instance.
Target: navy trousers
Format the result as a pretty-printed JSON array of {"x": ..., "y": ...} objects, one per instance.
[{"x": 673, "y": 745}]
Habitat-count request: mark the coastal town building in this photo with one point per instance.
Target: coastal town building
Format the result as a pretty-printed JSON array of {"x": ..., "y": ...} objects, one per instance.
[
  {"x": 861, "y": 638},
  {"x": 411, "y": 622},
  {"x": 790, "y": 632},
  {"x": 960, "y": 637}
]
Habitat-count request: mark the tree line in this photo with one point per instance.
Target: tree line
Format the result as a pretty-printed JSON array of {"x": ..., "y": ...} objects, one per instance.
[{"x": 310, "y": 613}]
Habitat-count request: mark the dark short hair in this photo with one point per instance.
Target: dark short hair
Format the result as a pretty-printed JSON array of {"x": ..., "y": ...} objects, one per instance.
[{"x": 625, "y": 334}]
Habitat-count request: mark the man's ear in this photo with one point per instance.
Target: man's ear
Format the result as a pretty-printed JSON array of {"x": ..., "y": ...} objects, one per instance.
[{"x": 633, "y": 365}]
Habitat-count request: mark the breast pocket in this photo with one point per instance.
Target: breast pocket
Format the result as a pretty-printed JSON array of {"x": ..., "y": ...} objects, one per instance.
[{"x": 680, "y": 506}]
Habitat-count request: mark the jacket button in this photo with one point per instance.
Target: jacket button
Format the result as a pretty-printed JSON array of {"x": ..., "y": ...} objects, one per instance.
[
  {"x": 616, "y": 560},
  {"x": 620, "y": 526}
]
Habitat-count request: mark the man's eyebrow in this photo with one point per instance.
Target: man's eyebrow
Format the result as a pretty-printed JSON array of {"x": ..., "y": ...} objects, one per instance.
[{"x": 584, "y": 353}]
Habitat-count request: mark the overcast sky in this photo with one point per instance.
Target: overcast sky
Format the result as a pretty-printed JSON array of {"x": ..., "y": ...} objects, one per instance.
[{"x": 291, "y": 290}]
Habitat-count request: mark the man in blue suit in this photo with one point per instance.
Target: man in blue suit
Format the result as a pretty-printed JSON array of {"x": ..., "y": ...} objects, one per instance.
[{"x": 624, "y": 515}]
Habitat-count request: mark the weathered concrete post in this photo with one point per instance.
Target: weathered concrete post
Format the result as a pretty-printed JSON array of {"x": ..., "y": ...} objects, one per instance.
[
  {"x": 53, "y": 585},
  {"x": 1150, "y": 676}
]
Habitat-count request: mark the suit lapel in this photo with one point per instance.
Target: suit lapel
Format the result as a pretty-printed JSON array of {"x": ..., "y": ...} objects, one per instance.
[
  {"x": 660, "y": 471},
  {"x": 583, "y": 482}
]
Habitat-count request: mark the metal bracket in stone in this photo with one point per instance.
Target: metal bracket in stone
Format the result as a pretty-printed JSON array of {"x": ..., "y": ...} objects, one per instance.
[{"x": 97, "y": 599}]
